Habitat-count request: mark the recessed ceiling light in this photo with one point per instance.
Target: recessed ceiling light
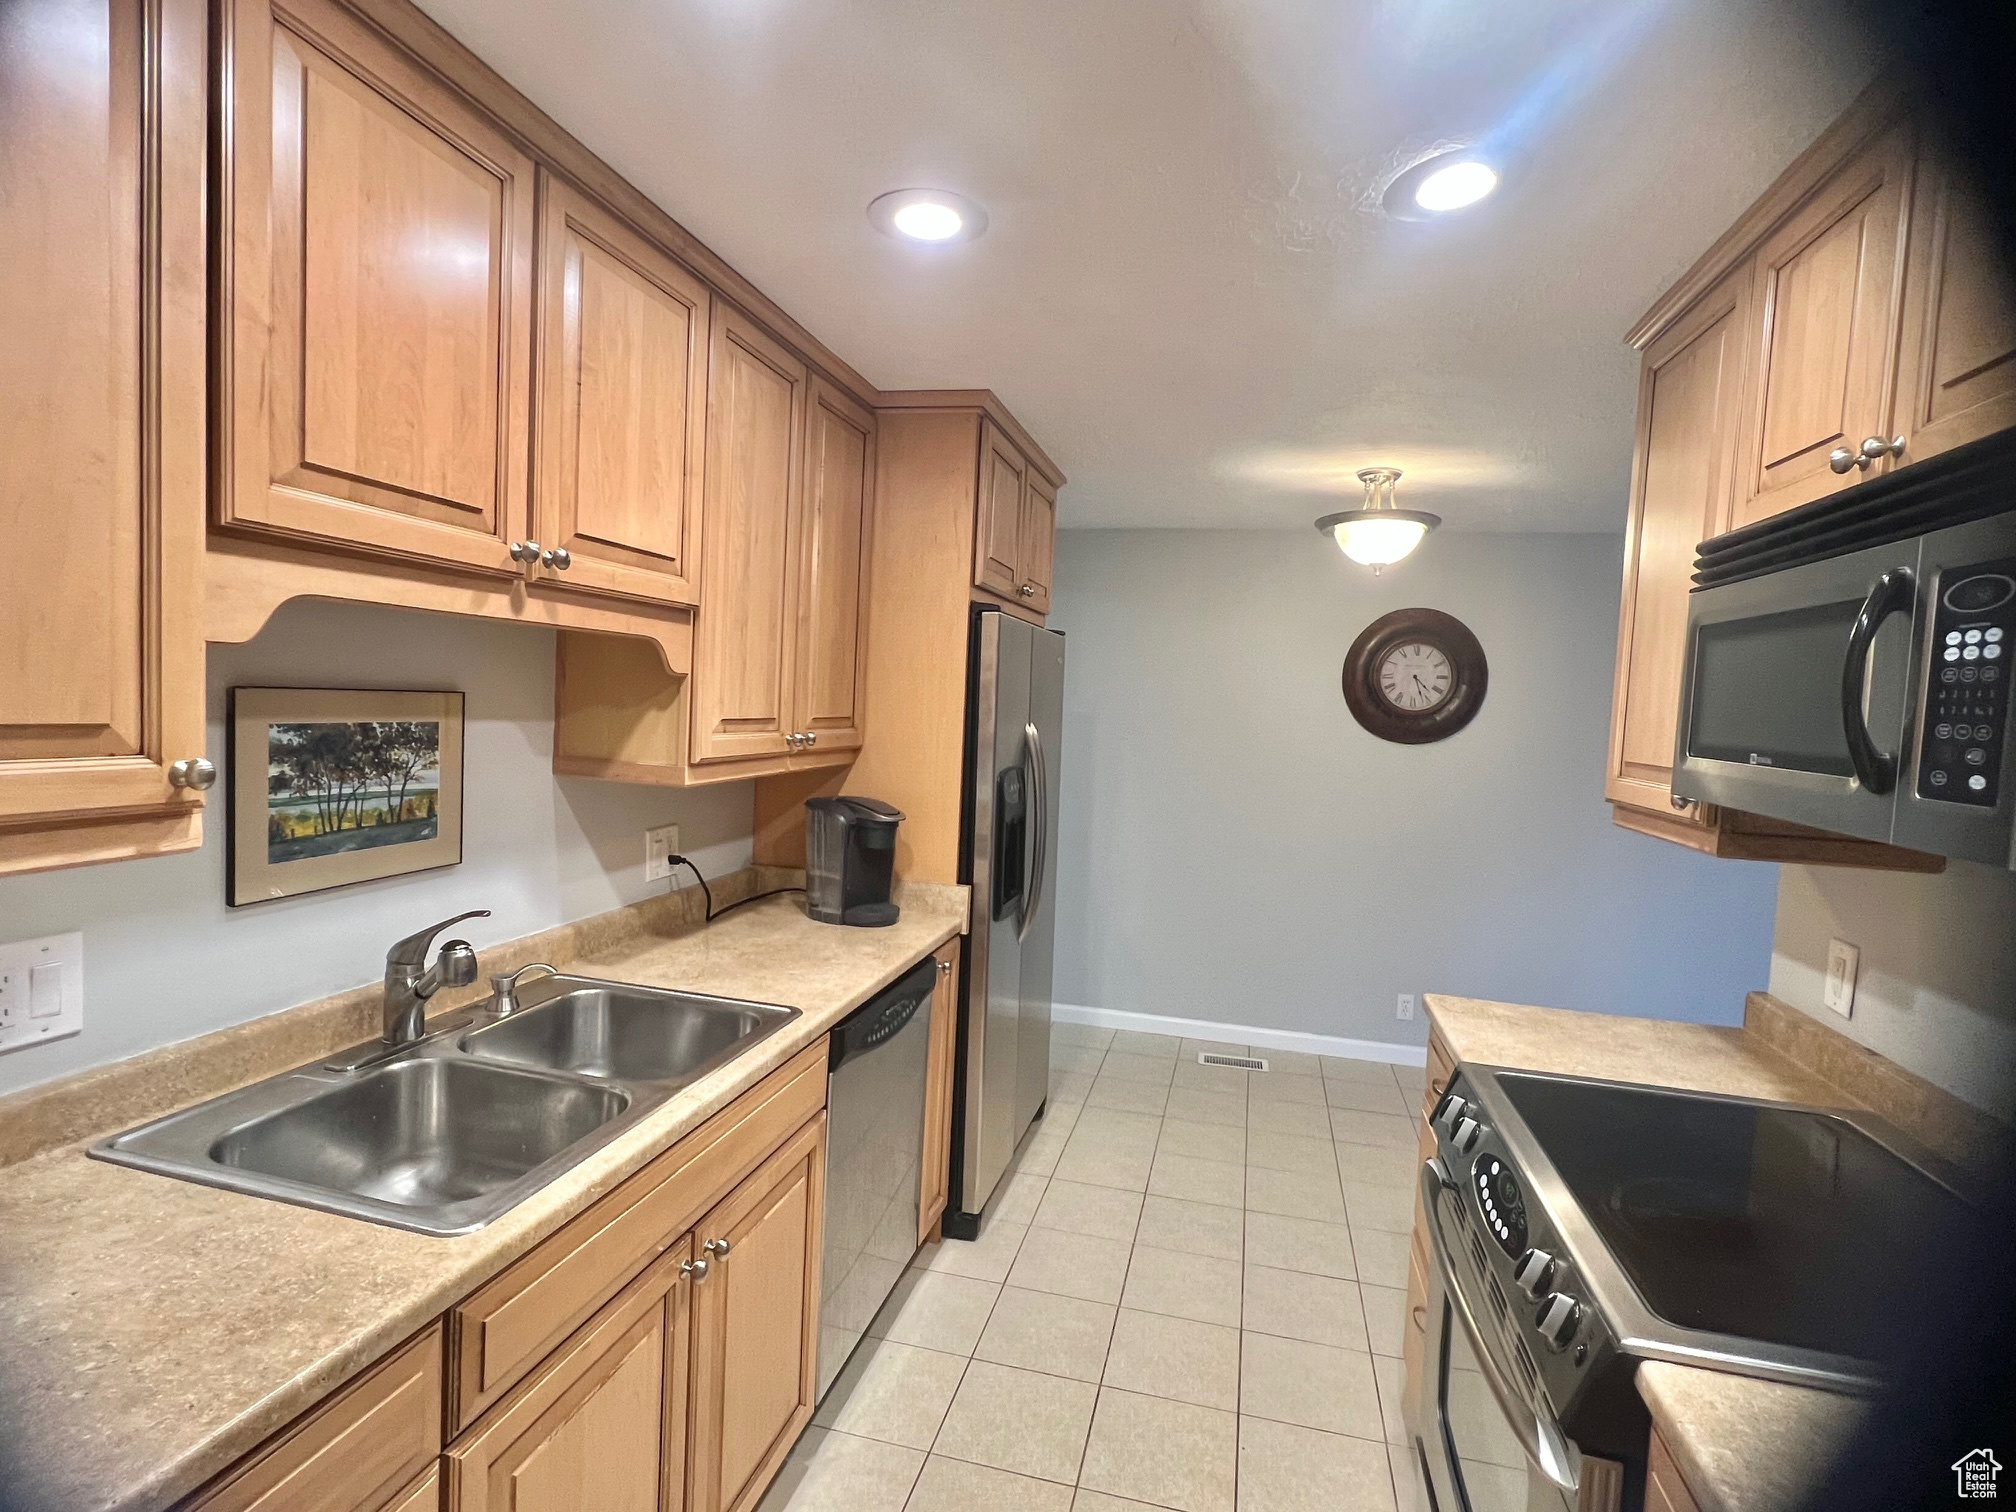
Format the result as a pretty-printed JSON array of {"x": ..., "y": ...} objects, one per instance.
[
  {"x": 931, "y": 216},
  {"x": 1438, "y": 184},
  {"x": 1455, "y": 186}
]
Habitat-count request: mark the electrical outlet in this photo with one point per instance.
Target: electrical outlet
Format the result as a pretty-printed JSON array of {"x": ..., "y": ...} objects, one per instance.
[
  {"x": 1843, "y": 961},
  {"x": 41, "y": 990},
  {"x": 659, "y": 846},
  {"x": 1406, "y": 1008}
]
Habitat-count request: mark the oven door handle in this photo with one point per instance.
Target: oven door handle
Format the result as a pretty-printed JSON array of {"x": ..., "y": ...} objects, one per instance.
[
  {"x": 1893, "y": 594},
  {"x": 1543, "y": 1442}
]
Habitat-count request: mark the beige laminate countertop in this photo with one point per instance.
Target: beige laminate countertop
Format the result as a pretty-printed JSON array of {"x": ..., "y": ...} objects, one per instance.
[
  {"x": 152, "y": 1331},
  {"x": 1742, "y": 1445}
]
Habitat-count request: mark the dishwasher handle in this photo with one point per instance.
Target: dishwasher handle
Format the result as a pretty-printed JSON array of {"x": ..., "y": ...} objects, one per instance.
[{"x": 883, "y": 1017}]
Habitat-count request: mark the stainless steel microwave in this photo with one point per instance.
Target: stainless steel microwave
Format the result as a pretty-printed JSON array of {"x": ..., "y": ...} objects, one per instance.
[{"x": 1844, "y": 675}]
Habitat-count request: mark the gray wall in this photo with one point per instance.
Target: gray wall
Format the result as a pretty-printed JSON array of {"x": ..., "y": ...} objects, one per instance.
[
  {"x": 1236, "y": 848},
  {"x": 165, "y": 960},
  {"x": 1936, "y": 991}
]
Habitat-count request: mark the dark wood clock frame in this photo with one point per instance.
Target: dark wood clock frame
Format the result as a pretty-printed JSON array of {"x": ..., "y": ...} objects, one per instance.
[{"x": 1448, "y": 635}]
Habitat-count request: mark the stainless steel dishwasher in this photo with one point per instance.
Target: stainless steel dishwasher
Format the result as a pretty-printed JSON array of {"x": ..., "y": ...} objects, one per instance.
[{"x": 874, "y": 1148}]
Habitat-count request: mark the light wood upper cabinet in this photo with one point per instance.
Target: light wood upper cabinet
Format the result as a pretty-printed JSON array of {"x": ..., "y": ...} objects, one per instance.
[
  {"x": 935, "y": 1176},
  {"x": 997, "y": 543},
  {"x": 830, "y": 676},
  {"x": 744, "y": 648},
  {"x": 102, "y": 172},
  {"x": 621, "y": 422},
  {"x": 756, "y": 1326},
  {"x": 603, "y": 1423},
  {"x": 1690, "y": 396},
  {"x": 1039, "y": 542},
  {"x": 1957, "y": 381},
  {"x": 378, "y": 284},
  {"x": 1828, "y": 292}
]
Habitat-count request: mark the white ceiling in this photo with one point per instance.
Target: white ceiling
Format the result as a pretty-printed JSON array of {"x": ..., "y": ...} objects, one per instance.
[{"x": 1183, "y": 291}]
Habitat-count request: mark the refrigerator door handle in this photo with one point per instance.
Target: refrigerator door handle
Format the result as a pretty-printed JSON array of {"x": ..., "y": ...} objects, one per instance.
[{"x": 1039, "y": 866}]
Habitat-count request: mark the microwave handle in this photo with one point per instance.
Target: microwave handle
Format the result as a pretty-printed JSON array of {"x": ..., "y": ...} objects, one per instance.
[{"x": 1893, "y": 594}]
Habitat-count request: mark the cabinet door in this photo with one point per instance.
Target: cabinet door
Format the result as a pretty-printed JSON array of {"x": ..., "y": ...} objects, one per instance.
[
  {"x": 379, "y": 285},
  {"x": 102, "y": 144},
  {"x": 1827, "y": 289},
  {"x": 622, "y": 417},
  {"x": 603, "y": 1424},
  {"x": 832, "y": 668},
  {"x": 1039, "y": 542},
  {"x": 1689, "y": 402},
  {"x": 997, "y": 537},
  {"x": 935, "y": 1178},
  {"x": 756, "y": 1325},
  {"x": 744, "y": 641},
  {"x": 1958, "y": 379}
]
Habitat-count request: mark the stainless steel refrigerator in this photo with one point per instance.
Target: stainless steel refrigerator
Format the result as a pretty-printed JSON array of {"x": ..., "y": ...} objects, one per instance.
[{"x": 1015, "y": 720}]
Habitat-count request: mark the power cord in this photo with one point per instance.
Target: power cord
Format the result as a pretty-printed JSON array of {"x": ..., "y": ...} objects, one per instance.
[{"x": 707, "y": 892}]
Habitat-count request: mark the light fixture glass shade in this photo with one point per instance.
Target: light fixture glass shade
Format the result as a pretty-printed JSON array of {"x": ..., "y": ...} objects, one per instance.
[
  {"x": 1373, "y": 542},
  {"x": 1380, "y": 533}
]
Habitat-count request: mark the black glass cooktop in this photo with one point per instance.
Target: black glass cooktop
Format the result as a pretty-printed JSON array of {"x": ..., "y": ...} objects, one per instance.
[{"x": 1766, "y": 1223}]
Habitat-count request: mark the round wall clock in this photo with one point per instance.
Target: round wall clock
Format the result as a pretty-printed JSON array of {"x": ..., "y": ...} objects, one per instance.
[{"x": 1415, "y": 675}]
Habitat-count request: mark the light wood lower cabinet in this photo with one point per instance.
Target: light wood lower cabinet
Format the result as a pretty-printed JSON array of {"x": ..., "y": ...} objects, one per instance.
[
  {"x": 935, "y": 1177},
  {"x": 102, "y": 456},
  {"x": 603, "y": 1423},
  {"x": 424, "y": 1495},
  {"x": 359, "y": 1451},
  {"x": 756, "y": 1326},
  {"x": 1665, "y": 1491}
]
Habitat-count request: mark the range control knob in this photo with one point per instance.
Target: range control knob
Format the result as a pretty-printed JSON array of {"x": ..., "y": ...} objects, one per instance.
[
  {"x": 1453, "y": 1108},
  {"x": 1534, "y": 1273},
  {"x": 1468, "y": 1132},
  {"x": 1559, "y": 1316}
]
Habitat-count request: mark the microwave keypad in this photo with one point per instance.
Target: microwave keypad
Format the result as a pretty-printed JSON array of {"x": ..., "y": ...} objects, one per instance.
[{"x": 1967, "y": 694}]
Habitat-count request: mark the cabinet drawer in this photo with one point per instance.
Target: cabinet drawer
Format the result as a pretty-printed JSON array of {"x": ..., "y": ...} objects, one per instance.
[
  {"x": 1665, "y": 1490},
  {"x": 424, "y": 1495},
  {"x": 512, "y": 1323},
  {"x": 358, "y": 1452}
]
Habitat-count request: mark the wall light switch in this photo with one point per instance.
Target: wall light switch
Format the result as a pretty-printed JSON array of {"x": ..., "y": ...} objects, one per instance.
[
  {"x": 659, "y": 846},
  {"x": 1406, "y": 1008},
  {"x": 1843, "y": 961},
  {"x": 41, "y": 990}
]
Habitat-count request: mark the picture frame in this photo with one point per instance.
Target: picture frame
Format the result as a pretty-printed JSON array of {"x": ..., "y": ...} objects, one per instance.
[{"x": 330, "y": 787}]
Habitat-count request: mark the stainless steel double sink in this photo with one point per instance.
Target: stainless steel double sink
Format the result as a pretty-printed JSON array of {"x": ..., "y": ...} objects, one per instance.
[{"x": 446, "y": 1134}]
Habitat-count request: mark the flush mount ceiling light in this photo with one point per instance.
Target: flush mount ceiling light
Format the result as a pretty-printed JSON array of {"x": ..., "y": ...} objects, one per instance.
[
  {"x": 1438, "y": 184},
  {"x": 929, "y": 216},
  {"x": 1378, "y": 533}
]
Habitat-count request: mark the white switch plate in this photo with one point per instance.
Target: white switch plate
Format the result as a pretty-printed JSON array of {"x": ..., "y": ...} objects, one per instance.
[
  {"x": 1406, "y": 1008},
  {"x": 659, "y": 844},
  {"x": 1843, "y": 961},
  {"x": 41, "y": 990}
]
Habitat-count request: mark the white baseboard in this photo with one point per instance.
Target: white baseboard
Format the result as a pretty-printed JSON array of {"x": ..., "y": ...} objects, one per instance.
[{"x": 1241, "y": 1034}]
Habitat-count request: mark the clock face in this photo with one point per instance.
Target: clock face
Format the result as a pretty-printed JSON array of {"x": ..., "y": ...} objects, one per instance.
[{"x": 1415, "y": 676}]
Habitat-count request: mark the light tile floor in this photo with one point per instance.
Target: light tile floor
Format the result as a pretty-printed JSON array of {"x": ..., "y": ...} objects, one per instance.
[{"x": 1188, "y": 1295}]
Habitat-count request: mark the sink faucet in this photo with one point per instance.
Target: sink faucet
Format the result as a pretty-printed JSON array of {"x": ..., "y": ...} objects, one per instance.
[{"x": 410, "y": 981}]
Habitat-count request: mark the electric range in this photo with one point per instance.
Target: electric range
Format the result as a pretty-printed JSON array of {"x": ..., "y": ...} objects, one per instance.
[{"x": 1581, "y": 1226}]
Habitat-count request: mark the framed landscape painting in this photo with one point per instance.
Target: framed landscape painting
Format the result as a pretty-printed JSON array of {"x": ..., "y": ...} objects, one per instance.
[{"x": 331, "y": 786}]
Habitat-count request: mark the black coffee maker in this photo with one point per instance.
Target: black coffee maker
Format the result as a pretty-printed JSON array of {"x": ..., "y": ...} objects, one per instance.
[{"x": 850, "y": 859}]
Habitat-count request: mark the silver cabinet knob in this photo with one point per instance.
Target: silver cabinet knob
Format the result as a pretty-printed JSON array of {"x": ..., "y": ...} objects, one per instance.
[
  {"x": 717, "y": 1247},
  {"x": 527, "y": 552},
  {"x": 696, "y": 1269},
  {"x": 1875, "y": 448},
  {"x": 811, "y": 739},
  {"x": 557, "y": 557},
  {"x": 1841, "y": 459},
  {"x": 1027, "y": 590},
  {"x": 1680, "y": 803},
  {"x": 196, "y": 774},
  {"x": 792, "y": 740},
  {"x": 944, "y": 968}
]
